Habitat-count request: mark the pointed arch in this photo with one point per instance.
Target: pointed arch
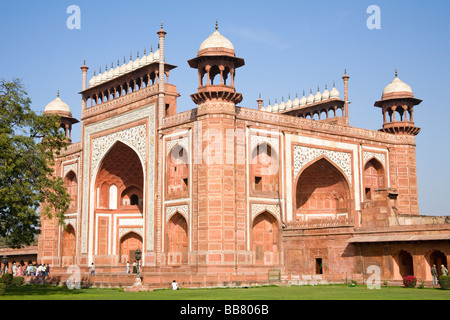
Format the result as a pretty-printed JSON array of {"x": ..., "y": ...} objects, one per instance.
[
  {"x": 177, "y": 173},
  {"x": 404, "y": 265},
  {"x": 264, "y": 169},
  {"x": 129, "y": 243},
  {"x": 177, "y": 242},
  {"x": 322, "y": 190},
  {"x": 119, "y": 170},
  {"x": 71, "y": 184},
  {"x": 374, "y": 177},
  {"x": 68, "y": 244},
  {"x": 265, "y": 238}
]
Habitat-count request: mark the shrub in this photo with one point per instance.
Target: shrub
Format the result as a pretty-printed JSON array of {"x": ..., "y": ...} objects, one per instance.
[
  {"x": 2, "y": 288},
  {"x": 409, "y": 281},
  {"x": 17, "y": 281},
  {"x": 444, "y": 282},
  {"x": 7, "y": 278}
]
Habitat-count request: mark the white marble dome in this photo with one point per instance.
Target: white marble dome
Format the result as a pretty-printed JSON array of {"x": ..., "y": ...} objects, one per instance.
[
  {"x": 216, "y": 40},
  {"x": 397, "y": 85},
  {"x": 57, "y": 106}
]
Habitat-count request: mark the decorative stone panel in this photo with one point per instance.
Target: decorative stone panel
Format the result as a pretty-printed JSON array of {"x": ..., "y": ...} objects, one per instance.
[{"x": 304, "y": 155}]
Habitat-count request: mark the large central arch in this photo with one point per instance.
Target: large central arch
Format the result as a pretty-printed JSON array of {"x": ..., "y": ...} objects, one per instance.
[{"x": 322, "y": 191}]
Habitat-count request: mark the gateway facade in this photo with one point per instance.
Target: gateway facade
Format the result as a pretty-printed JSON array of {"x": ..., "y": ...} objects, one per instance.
[{"x": 235, "y": 193}]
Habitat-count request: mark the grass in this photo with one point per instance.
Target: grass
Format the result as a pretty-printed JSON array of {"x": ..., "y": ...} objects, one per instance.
[{"x": 325, "y": 292}]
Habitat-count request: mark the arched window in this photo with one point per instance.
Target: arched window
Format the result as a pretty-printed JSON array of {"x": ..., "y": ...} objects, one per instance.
[
  {"x": 71, "y": 184},
  {"x": 177, "y": 173},
  {"x": 264, "y": 170},
  {"x": 373, "y": 177}
]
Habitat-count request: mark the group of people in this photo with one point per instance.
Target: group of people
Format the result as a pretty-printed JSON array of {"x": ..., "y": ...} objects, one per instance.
[
  {"x": 134, "y": 266},
  {"x": 20, "y": 270},
  {"x": 434, "y": 273}
]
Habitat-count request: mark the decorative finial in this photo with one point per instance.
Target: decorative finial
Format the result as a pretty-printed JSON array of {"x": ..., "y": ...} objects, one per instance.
[
  {"x": 131, "y": 56},
  {"x": 334, "y": 84},
  {"x": 396, "y": 73},
  {"x": 138, "y": 54},
  {"x": 161, "y": 24},
  {"x": 57, "y": 94},
  {"x": 145, "y": 51},
  {"x": 345, "y": 70},
  {"x": 217, "y": 25},
  {"x": 84, "y": 62},
  {"x": 260, "y": 95},
  {"x": 151, "y": 49}
]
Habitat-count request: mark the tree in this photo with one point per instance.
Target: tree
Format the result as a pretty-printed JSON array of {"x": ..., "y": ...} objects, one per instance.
[{"x": 29, "y": 189}]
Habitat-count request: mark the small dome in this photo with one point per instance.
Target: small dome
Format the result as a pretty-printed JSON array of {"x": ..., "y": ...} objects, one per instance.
[
  {"x": 117, "y": 70},
  {"x": 156, "y": 55},
  {"x": 289, "y": 104},
  {"x": 282, "y": 106},
  {"x": 318, "y": 96},
  {"x": 397, "y": 86},
  {"x": 262, "y": 109},
  {"x": 296, "y": 102},
  {"x": 334, "y": 93},
  {"x": 310, "y": 98},
  {"x": 275, "y": 107},
  {"x": 92, "y": 82},
  {"x": 325, "y": 94},
  {"x": 216, "y": 40},
  {"x": 303, "y": 100},
  {"x": 57, "y": 106},
  {"x": 269, "y": 108}
]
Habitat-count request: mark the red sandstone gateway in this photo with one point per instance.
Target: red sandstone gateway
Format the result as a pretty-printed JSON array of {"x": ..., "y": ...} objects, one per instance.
[{"x": 293, "y": 194}]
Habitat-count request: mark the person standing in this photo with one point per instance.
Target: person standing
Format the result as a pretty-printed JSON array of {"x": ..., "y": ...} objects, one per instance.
[
  {"x": 434, "y": 274},
  {"x": 444, "y": 270},
  {"x": 92, "y": 270},
  {"x": 174, "y": 285},
  {"x": 128, "y": 267}
]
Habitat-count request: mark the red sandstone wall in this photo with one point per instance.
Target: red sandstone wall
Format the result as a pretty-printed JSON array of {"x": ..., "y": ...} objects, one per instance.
[{"x": 403, "y": 176}]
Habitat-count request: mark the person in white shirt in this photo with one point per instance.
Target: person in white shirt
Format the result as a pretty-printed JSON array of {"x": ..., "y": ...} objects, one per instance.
[{"x": 174, "y": 285}]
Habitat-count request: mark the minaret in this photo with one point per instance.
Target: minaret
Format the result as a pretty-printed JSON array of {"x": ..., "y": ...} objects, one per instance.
[
  {"x": 219, "y": 203},
  {"x": 397, "y": 105},
  {"x": 346, "y": 102},
  {"x": 161, "y": 97},
  {"x": 84, "y": 70}
]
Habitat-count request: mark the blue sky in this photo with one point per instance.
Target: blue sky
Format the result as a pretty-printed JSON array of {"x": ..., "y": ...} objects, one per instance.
[{"x": 288, "y": 47}]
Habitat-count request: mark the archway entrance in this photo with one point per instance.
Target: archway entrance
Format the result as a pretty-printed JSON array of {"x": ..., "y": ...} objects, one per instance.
[
  {"x": 322, "y": 191},
  {"x": 405, "y": 264},
  {"x": 438, "y": 258},
  {"x": 128, "y": 246}
]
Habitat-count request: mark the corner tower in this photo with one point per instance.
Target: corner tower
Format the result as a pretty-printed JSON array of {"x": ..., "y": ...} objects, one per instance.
[
  {"x": 220, "y": 201},
  {"x": 217, "y": 60},
  {"x": 397, "y": 104}
]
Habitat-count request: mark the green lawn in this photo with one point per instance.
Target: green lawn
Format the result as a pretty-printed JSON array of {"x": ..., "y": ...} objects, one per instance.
[{"x": 326, "y": 292}]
